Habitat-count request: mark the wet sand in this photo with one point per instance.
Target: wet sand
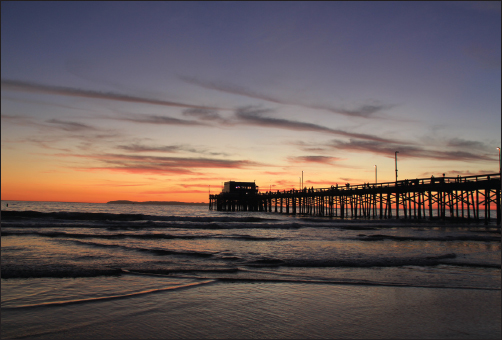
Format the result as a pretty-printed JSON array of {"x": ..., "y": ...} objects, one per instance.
[{"x": 227, "y": 310}]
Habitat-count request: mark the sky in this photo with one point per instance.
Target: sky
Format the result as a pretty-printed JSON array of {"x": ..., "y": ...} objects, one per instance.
[{"x": 166, "y": 101}]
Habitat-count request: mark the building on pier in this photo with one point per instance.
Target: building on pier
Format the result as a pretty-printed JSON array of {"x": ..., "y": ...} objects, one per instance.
[
  {"x": 236, "y": 196},
  {"x": 245, "y": 188}
]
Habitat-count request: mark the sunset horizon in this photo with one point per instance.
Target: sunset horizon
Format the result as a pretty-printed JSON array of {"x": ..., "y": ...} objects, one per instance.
[
  {"x": 251, "y": 169},
  {"x": 165, "y": 102}
]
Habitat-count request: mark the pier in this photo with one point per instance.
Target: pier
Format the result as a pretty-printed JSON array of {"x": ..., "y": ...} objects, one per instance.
[{"x": 468, "y": 197}]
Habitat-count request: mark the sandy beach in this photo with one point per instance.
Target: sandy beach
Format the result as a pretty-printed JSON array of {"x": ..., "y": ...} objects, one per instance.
[{"x": 224, "y": 310}]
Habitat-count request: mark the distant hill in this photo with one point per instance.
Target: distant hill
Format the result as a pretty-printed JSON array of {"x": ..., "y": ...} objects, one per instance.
[{"x": 156, "y": 202}]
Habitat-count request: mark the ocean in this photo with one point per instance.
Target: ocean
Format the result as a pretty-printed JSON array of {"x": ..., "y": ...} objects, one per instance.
[{"x": 179, "y": 271}]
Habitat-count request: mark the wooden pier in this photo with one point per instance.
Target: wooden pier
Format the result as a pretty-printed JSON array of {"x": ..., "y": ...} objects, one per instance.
[{"x": 469, "y": 197}]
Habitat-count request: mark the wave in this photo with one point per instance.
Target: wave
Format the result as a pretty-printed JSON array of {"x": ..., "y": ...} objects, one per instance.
[
  {"x": 21, "y": 272},
  {"x": 86, "y": 216},
  {"x": 354, "y": 282},
  {"x": 73, "y": 271},
  {"x": 233, "y": 269},
  {"x": 115, "y": 226},
  {"x": 256, "y": 277},
  {"x": 380, "y": 237},
  {"x": 111, "y": 297},
  {"x": 148, "y": 236},
  {"x": 427, "y": 261},
  {"x": 154, "y": 251}
]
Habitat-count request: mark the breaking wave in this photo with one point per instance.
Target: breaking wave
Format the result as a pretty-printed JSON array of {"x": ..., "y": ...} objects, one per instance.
[
  {"x": 119, "y": 236},
  {"x": 86, "y": 216},
  {"x": 154, "y": 251},
  {"x": 380, "y": 237},
  {"x": 111, "y": 297}
]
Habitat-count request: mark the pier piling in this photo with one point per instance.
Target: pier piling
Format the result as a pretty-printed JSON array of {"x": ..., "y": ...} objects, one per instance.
[{"x": 439, "y": 198}]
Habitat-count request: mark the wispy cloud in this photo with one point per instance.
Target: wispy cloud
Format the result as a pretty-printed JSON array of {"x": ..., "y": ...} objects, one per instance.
[
  {"x": 54, "y": 134},
  {"x": 139, "y": 148},
  {"x": 172, "y": 192},
  {"x": 71, "y": 126},
  {"x": 41, "y": 102},
  {"x": 17, "y": 119},
  {"x": 466, "y": 144},
  {"x": 203, "y": 114},
  {"x": 53, "y": 124},
  {"x": 454, "y": 173},
  {"x": 47, "y": 143},
  {"x": 158, "y": 165},
  {"x": 314, "y": 159},
  {"x": 407, "y": 151},
  {"x": 156, "y": 119},
  {"x": 110, "y": 183},
  {"x": 143, "y": 148},
  {"x": 249, "y": 115},
  {"x": 16, "y": 85},
  {"x": 256, "y": 116},
  {"x": 204, "y": 186},
  {"x": 364, "y": 110},
  {"x": 276, "y": 173},
  {"x": 322, "y": 183}
]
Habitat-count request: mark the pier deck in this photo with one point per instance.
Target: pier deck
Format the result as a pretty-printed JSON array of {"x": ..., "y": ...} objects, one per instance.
[{"x": 469, "y": 197}]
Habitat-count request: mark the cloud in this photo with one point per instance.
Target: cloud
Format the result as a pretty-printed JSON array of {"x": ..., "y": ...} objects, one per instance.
[
  {"x": 16, "y": 85},
  {"x": 466, "y": 144},
  {"x": 58, "y": 124},
  {"x": 367, "y": 110},
  {"x": 248, "y": 115},
  {"x": 54, "y": 134},
  {"x": 155, "y": 119},
  {"x": 276, "y": 173},
  {"x": 255, "y": 116},
  {"x": 325, "y": 183},
  {"x": 159, "y": 165},
  {"x": 46, "y": 143},
  {"x": 171, "y": 192},
  {"x": 135, "y": 147},
  {"x": 142, "y": 148},
  {"x": 314, "y": 159},
  {"x": 406, "y": 151},
  {"x": 110, "y": 183},
  {"x": 41, "y": 102},
  {"x": 363, "y": 111},
  {"x": 455, "y": 173},
  {"x": 206, "y": 179},
  {"x": 286, "y": 183},
  {"x": 140, "y": 170},
  {"x": 202, "y": 114},
  {"x": 71, "y": 126},
  {"x": 20, "y": 120},
  {"x": 194, "y": 186}
]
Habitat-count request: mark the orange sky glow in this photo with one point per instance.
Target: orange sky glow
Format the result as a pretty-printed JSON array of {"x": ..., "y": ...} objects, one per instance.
[{"x": 131, "y": 102}]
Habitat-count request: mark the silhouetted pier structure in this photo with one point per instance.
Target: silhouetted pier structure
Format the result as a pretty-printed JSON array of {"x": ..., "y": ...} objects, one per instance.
[{"x": 468, "y": 197}]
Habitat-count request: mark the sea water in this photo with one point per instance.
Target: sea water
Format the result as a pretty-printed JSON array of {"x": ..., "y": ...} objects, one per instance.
[{"x": 77, "y": 254}]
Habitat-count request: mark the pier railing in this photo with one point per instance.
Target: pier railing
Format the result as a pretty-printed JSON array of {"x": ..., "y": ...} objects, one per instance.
[{"x": 469, "y": 197}]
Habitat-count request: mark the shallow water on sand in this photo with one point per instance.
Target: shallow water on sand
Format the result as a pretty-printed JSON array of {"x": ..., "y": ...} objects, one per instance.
[{"x": 261, "y": 310}]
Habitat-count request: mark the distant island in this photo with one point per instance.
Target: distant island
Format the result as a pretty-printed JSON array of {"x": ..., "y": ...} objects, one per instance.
[{"x": 156, "y": 202}]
